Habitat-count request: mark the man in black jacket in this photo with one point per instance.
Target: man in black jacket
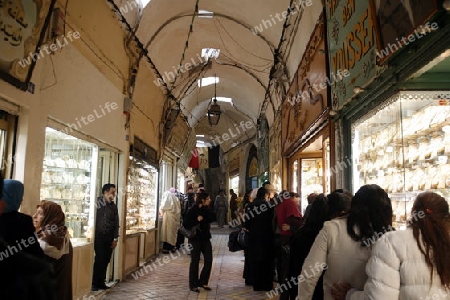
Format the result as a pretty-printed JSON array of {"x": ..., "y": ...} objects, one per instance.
[{"x": 106, "y": 235}]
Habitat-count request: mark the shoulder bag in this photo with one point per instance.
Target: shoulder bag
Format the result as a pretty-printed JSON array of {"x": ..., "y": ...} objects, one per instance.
[
  {"x": 189, "y": 233},
  {"x": 242, "y": 238}
]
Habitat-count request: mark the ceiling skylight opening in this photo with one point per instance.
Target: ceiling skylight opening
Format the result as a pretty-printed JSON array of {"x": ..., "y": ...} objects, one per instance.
[
  {"x": 224, "y": 99},
  {"x": 208, "y": 81},
  {"x": 145, "y": 2},
  {"x": 200, "y": 144},
  {"x": 205, "y": 14},
  {"x": 210, "y": 53}
]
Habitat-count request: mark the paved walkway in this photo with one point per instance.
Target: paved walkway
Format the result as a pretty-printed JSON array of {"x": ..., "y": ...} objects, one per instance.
[{"x": 170, "y": 280}]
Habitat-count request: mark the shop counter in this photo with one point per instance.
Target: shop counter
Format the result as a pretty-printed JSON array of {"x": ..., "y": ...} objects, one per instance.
[
  {"x": 131, "y": 261},
  {"x": 82, "y": 268}
]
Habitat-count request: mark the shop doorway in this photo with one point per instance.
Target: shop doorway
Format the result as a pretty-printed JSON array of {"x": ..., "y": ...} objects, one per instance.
[
  {"x": 309, "y": 170},
  {"x": 8, "y": 124},
  {"x": 107, "y": 168}
]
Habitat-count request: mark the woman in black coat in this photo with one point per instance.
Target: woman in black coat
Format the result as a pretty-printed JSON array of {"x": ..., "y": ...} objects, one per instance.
[
  {"x": 261, "y": 241},
  {"x": 303, "y": 240},
  {"x": 248, "y": 274},
  {"x": 200, "y": 214},
  {"x": 24, "y": 273}
]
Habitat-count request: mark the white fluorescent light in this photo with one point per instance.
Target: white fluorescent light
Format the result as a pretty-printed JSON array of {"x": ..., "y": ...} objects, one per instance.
[
  {"x": 224, "y": 99},
  {"x": 200, "y": 135},
  {"x": 200, "y": 144},
  {"x": 205, "y": 14},
  {"x": 208, "y": 81}
]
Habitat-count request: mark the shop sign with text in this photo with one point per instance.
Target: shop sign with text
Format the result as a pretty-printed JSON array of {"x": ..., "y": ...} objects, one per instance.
[
  {"x": 22, "y": 26},
  {"x": 352, "y": 46}
]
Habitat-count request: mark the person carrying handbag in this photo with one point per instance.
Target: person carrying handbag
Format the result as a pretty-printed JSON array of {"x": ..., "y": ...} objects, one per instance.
[{"x": 200, "y": 214}]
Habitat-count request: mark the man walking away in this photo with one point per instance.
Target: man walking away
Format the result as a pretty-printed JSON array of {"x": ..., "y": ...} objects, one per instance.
[
  {"x": 221, "y": 208},
  {"x": 233, "y": 204},
  {"x": 106, "y": 235}
]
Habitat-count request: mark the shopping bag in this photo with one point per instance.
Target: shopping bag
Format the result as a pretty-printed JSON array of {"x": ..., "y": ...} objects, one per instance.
[{"x": 189, "y": 233}]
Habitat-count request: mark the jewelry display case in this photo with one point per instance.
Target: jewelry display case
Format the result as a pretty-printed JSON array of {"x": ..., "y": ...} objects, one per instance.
[
  {"x": 141, "y": 196},
  {"x": 404, "y": 146},
  {"x": 311, "y": 179},
  {"x": 68, "y": 179}
]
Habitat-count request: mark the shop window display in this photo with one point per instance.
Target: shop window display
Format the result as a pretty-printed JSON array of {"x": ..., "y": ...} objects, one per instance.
[
  {"x": 141, "y": 196},
  {"x": 312, "y": 179},
  {"x": 404, "y": 147},
  {"x": 67, "y": 179}
]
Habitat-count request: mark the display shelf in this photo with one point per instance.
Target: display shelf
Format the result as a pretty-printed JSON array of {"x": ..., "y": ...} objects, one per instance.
[
  {"x": 60, "y": 200},
  {"x": 64, "y": 184},
  {"x": 65, "y": 169},
  {"x": 66, "y": 178},
  {"x": 141, "y": 196},
  {"x": 311, "y": 178},
  {"x": 404, "y": 148},
  {"x": 410, "y": 195}
]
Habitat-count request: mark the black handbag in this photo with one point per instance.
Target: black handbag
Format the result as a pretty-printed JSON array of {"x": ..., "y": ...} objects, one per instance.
[
  {"x": 242, "y": 238},
  {"x": 189, "y": 233},
  {"x": 233, "y": 244}
]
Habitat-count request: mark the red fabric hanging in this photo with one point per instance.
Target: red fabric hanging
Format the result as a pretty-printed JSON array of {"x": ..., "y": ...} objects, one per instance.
[{"x": 194, "y": 163}]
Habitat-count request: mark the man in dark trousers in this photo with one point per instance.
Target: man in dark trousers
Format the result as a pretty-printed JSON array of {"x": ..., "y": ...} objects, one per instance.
[
  {"x": 106, "y": 235},
  {"x": 221, "y": 208},
  {"x": 233, "y": 204}
]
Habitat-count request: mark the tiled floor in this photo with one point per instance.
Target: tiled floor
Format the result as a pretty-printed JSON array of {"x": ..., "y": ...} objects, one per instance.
[{"x": 168, "y": 280}]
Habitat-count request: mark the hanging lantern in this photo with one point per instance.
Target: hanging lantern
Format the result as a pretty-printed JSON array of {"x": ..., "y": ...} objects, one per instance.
[{"x": 214, "y": 110}]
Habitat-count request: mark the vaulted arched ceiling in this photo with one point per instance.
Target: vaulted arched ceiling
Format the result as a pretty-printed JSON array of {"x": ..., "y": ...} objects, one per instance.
[{"x": 243, "y": 66}]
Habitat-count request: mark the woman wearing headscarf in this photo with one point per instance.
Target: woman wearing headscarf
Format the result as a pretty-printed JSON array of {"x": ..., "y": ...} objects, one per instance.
[
  {"x": 248, "y": 275},
  {"x": 261, "y": 241},
  {"x": 54, "y": 240},
  {"x": 15, "y": 226},
  {"x": 24, "y": 272}
]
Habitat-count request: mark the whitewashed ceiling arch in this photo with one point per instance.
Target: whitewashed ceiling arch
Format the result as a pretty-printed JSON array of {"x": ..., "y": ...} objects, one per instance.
[{"x": 247, "y": 34}]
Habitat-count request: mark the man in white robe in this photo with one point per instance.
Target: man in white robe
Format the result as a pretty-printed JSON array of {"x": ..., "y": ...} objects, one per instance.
[{"x": 171, "y": 212}]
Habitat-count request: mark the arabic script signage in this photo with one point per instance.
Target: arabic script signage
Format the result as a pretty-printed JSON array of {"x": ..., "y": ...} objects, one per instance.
[{"x": 22, "y": 24}]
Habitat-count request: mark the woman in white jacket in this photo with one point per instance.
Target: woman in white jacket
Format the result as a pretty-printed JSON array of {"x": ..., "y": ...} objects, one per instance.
[
  {"x": 342, "y": 247},
  {"x": 410, "y": 264}
]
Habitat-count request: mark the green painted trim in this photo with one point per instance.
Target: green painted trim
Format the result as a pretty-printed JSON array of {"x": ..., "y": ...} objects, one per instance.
[
  {"x": 424, "y": 86},
  {"x": 401, "y": 67}
]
